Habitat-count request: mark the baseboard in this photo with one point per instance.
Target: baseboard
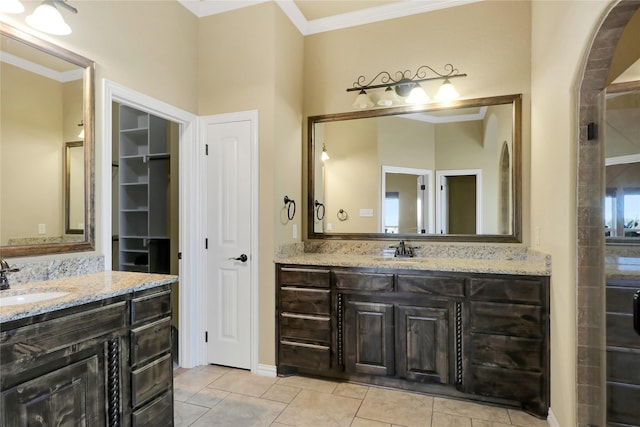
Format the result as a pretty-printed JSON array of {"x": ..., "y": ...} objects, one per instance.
[
  {"x": 551, "y": 419},
  {"x": 266, "y": 371}
]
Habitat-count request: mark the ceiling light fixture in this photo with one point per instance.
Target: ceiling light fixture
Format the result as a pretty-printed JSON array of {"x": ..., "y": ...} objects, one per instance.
[
  {"x": 47, "y": 18},
  {"x": 11, "y": 6},
  {"x": 406, "y": 85},
  {"x": 81, "y": 134}
]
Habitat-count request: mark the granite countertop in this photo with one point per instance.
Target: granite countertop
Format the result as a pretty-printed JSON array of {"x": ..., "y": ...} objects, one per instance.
[
  {"x": 537, "y": 266},
  {"x": 621, "y": 267},
  {"x": 82, "y": 289}
]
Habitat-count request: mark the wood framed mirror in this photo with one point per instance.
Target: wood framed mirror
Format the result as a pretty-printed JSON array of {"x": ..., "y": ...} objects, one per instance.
[
  {"x": 47, "y": 98},
  {"x": 443, "y": 172}
]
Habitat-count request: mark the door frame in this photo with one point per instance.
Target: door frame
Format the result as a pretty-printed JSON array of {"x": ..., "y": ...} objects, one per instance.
[
  {"x": 251, "y": 116},
  {"x": 441, "y": 204},
  {"x": 408, "y": 171},
  {"x": 190, "y": 226}
]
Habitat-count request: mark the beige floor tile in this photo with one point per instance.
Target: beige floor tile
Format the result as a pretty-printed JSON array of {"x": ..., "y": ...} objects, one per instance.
[
  {"x": 351, "y": 390},
  {"x": 241, "y": 411},
  {"x": 445, "y": 420},
  {"x": 281, "y": 393},
  {"x": 361, "y": 422},
  {"x": 191, "y": 381},
  {"x": 312, "y": 384},
  {"x": 312, "y": 409},
  {"x": 207, "y": 397},
  {"x": 243, "y": 382},
  {"x": 470, "y": 409},
  {"x": 522, "y": 419},
  {"x": 391, "y": 406},
  {"x": 185, "y": 414},
  {"x": 485, "y": 423}
]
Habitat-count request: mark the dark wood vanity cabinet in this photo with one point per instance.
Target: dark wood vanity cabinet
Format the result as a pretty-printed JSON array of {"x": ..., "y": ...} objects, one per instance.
[
  {"x": 92, "y": 365},
  {"x": 479, "y": 336}
]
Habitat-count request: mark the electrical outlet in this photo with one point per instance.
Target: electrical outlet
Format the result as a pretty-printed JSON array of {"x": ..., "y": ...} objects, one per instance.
[
  {"x": 42, "y": 228},
  {"x": 329, "y": 227},
  {"x": 295, "y": 231}
]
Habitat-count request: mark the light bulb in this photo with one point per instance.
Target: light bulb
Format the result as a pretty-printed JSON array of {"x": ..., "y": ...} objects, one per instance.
[{"x": 47, "y": 18}]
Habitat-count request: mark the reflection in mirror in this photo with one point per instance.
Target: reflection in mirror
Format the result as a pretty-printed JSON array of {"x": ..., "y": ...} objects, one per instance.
[
  {"x": 74, "y": 187},
  {"x": 444, "y": 172},
  {"x": 44, "y": 183},
  {"x": 622, "y": 160}
]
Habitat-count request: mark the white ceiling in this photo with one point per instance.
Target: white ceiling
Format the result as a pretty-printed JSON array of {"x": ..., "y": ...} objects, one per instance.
[{"x": 317, "y": 16}]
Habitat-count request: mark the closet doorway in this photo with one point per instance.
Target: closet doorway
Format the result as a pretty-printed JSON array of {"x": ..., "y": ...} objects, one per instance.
[{"x": 145, "y": 197}]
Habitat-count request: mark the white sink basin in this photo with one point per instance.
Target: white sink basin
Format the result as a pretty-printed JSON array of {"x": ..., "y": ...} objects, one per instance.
[{"x": 29, "y": 298}]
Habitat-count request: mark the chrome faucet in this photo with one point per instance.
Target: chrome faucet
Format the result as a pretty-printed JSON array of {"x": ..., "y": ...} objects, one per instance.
[
  {"x": 4, "y": 269},
  {"x": 402, "y": 250}
]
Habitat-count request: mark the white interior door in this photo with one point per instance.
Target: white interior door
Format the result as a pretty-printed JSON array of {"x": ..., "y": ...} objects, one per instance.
[{"x": 229, "y": 260}]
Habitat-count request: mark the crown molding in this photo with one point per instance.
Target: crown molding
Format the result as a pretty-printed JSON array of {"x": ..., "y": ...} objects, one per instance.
[
  {"x": 330, "y": 23},
  {"x": 60, "y": 76}
]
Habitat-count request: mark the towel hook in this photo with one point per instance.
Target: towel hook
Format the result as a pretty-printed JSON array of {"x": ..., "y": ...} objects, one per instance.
[
  {"x": 290, "y": 202},
  {"x": 318, "y": 205}
]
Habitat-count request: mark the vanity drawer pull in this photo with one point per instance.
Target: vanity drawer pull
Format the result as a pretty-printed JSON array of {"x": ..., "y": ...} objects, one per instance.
[
  {"x": 155, "y": 413},
  {"x": 150, "y": 341},
  {"x": 312, "y": 328}
]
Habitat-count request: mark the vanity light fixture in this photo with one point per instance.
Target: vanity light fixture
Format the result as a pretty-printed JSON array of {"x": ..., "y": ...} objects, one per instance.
[
  {"x": 325, "y": 156},
  {"x": 406, "y": 85},
  {"x": 11, "y": 6},
  {"x": 48, "y": 19}
]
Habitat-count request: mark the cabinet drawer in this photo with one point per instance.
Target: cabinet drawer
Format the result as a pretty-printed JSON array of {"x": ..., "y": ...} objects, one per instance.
[
  {"x": 151, "y": 380},
  {"x": 364, "y": 281},
  {"x": 508, "y": 384},
  {"x": 305, "y": 355},
  {"x": 516, "y": 289},
  {"x": 305, "y": 300},
  {"x": 150, "y": 306},
  {"x": 51, "y": 335},
  {"x": 156, "y": 413},
  {"x": 499, "y": 351},
  {"x": 506, "y": 319},
  {"x": 304, "y": 276},
  {"x": 150, "y": 341},
  {"x": 297, "y": 326},
  {"x": 446, "y": 286}
]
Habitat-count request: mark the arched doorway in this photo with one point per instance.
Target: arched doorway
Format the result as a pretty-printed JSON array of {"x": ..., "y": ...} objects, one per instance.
[{"x": 590, "y": 289}]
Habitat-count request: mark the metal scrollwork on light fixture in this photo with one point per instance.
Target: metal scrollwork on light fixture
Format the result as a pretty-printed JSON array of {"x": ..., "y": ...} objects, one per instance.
[{"x": 405, "y": 84}]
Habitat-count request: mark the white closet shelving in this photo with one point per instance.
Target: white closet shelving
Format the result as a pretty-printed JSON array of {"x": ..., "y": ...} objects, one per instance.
[{"x": 144, "y": 192}]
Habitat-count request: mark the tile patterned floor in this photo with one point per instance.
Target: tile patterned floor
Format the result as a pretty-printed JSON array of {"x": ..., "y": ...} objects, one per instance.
[{"x": 220, "y": 396}]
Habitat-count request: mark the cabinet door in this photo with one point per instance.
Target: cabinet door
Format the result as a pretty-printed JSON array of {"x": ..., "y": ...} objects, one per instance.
[
  {"x": 69, "y": 396},
  {"x": 369, "y": 338},
  {"x": 423, "y": 344}
]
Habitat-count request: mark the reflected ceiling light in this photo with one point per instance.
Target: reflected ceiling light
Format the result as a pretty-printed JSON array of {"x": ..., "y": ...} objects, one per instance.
[
  {"x": 81, "y": 134},
  {"x": 406, "y": 85},
  {"x": 447, "y": 92},
  {"x": 47, "y": 18},
  {"x": 362, "y": 100},
  {"x": 11, "y": 6},
  {"x": 325, "y": 155}
]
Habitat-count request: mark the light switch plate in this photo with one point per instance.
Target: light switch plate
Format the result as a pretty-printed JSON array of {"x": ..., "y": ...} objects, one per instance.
[{"x": 366, "y": 212}]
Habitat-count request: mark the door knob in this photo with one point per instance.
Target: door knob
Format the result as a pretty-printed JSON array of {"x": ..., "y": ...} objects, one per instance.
[
  {"x": 636, "y": 312},
  {"x": 241, "y": 258}
]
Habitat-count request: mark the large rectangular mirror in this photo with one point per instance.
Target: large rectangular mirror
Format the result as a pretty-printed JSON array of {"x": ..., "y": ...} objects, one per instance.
[
  {"x": 622, "y": 160},
  {"x": 438, "y": 172},
  {"x": 47, "y": 96}
]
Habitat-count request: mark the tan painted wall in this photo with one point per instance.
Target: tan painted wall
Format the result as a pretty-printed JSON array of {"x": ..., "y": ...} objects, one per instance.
[
  {"x": 257, "y": 65},
  {"x": 561, "y": 35},
  {"x": 31, "y": 163}
]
